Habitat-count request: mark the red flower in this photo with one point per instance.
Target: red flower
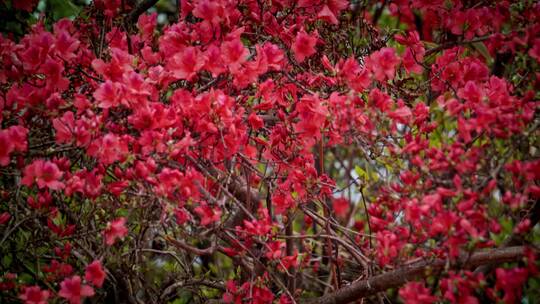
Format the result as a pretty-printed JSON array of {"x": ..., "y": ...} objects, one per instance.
[
  {"x": 109, "y": 148},
  {"x": 4, "y": 218},
  {"x": 215, "y": 65},
  {"x": 208, "y": 215},
  {"x": 64, "y": 127},
  {"x": 44, "y": 173},
  {"x": 255, "y": 121},
  {"x": 95, "y": 274},
  {"x": 534, "y": 52},
  {"x": 6, "y": 147},
  {"x": 312, "y": 115},
  {"x": 181, "y": 216},
  {"x": 26, "y": 5},
  {"x": 187, "y": 63},
  {"x": 402, "y": 114},
  {"x": 290, "y": 261},
  {"x": 72, "y": 290},
  {"x": 327, "y": 15},
  {"x": 341, "y": 207},
  {"x": 34, "y": 295},
  {"x": 18, "y": 136},
  {"x": 211, "y": 11},
  {"x": 304, "y": 45},
  {"x": 414, "y": 292},
  {"x": 108, "y": 94},
  {"x": 389, "y": 246},
  {"x": 275, "y": 249},
  {"x": 115, "y": 230},
  {"x": 274, "y": 56},
  {"x": 511, "y": 282},
  {"x": 234, "y": 53},
  {"x": 262, "y": 295},
  {"x": 383, "y": 63}
]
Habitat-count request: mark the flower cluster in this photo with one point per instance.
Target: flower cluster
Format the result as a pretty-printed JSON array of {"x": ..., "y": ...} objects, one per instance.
[{"x": 287, "y": 148}]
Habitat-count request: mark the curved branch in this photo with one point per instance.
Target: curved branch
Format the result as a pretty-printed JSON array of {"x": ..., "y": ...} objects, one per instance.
[
  {"x": 196, "y": 283},
  {"x": 200, "y": 252},
  {"x": 139, "y": 9},
  {"x": 414, "y": 271},
  {"x": 451, "y": 44}
]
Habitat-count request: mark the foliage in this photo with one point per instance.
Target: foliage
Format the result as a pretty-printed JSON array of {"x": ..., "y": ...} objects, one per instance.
[{"x": 269, "y": 151}]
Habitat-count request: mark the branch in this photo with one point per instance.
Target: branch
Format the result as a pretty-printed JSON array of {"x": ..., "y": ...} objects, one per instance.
[
  {"x": 200, "y": 252},
  {"x": 414, "y": 271},
  {"x": 450, "y": 44},
  {"x": 196, "y": 283},
  {"x": 515, "y": 239},
  {"x": 139, "y": 9},
  {"x": 237, "y": 187}
]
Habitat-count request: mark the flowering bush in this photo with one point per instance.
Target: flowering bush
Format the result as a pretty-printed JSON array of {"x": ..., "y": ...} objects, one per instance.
[{"x": 263, "y": 151}]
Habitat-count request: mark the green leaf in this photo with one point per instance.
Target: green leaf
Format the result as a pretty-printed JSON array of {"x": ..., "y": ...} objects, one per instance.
[
  {"x": 185, "y": 297},
  {"x": 361, "y": 173},
  {"x": 25, "y": 278},
  {"x": 481, "y": 48},
  {"x": 62, "y": 8},
  {"x": 6, "y": 261}
]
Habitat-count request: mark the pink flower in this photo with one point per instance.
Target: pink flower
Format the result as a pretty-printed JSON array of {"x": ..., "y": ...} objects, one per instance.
[
  {"x": 327, "y": 15},
  {"x": 95, "y": 273},
  {"x": 383, "y": 63},
  {"x": 64, "y": 127},
  {"x": 11, "y": 140},
  {"x": 109, "y": 148},
  {"x": 115, "y": 230},
  {"x": 275, "y": 56},
  {"x": 34, "y": 295},
  {"x": 44, "y": 173},
  {"x": 72, "y": 290},
  {"x": 18, "y": 136},
  {"x": 304, "y": 45},
  {"x": 402, "y": 114},
  {"x": 108, "y": 94}
]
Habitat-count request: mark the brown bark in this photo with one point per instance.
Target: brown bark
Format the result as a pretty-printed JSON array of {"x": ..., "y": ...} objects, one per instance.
[
  {"x": 140, "y": 8},
  {"x": 396, "y": 278},
  {"x": 515, "y": 239}
]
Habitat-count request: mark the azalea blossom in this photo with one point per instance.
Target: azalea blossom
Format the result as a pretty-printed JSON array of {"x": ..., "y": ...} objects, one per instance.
[
  {"x": 288, "y": 146},
  {"x": 95, "y": 273},
  {"x": 74, "y": 291},
  {"x": 44, "y": 173},
  {"x": 304, "y": 45},
  {"x": 34, "y": 295},
  {"x": 383, "y": 63},
  {"x": 115, "y": 230}
]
